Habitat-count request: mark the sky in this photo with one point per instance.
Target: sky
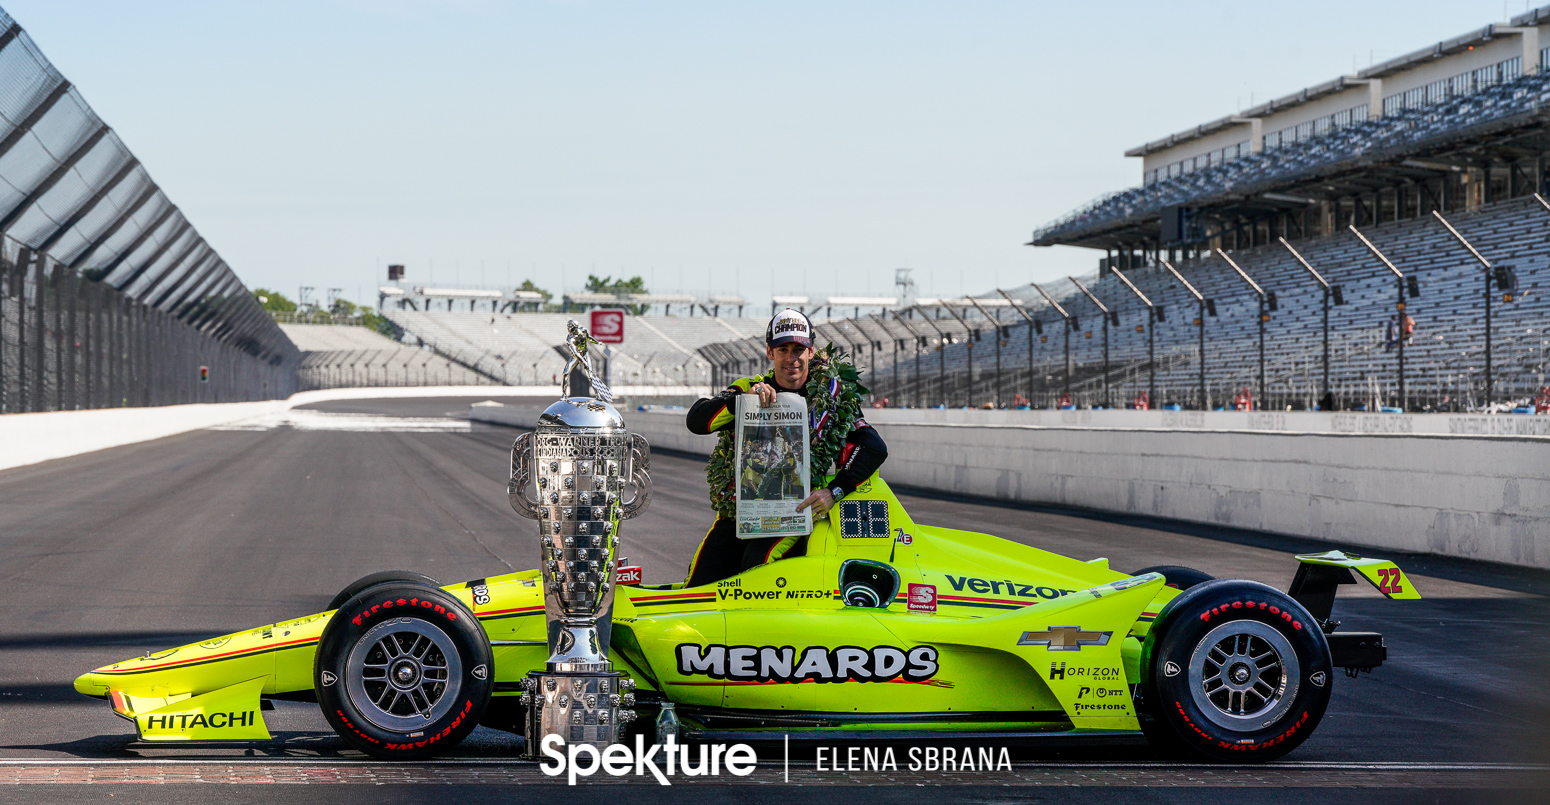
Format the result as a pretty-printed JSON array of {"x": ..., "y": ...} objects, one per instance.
[{"x": 708, "y": 147}]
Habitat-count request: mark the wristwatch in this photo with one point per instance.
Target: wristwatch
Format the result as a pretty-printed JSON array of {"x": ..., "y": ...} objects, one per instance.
[{"x": 838, "y": 492}]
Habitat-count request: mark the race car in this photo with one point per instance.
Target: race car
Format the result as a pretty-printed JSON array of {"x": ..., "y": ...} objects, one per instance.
[{"x": 886, "y": 630}]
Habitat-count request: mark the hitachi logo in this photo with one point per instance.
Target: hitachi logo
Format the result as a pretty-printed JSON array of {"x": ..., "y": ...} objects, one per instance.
[{"x": 188, "y": 721}]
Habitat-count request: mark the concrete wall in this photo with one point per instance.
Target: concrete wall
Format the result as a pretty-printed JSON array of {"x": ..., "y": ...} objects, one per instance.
[
  {"x": 30, "y": 438},
  {"x": 1474, "y": 497},
  {"x": 1376, "y": 484}
]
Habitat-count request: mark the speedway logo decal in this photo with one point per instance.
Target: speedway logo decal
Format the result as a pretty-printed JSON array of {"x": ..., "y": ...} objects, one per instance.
[{"x": 815, "y": 663}]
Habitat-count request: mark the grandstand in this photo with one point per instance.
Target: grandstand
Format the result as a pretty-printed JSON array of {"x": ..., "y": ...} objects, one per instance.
[
  {"x": 923, "y": 356},
  {"x": 337, "y": 356},
  {"x": 1454, "y": 132},
  {"x": 517, "y": 348}
]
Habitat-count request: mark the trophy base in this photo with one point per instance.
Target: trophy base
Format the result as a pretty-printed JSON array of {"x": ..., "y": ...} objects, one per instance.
[{"x": 582, "y": 707}]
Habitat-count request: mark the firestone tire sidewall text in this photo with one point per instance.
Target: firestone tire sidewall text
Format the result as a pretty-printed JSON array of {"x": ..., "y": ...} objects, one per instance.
[
  {"x": 403, "y": 671},
  {"x": 1240, "y": 672}
]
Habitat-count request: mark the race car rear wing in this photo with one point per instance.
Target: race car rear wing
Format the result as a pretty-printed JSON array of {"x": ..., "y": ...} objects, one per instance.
[{"x": 1318, "y": 577}]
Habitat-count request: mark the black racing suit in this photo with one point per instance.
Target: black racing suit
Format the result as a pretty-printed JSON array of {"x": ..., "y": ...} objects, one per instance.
[{"x": 721, "y": 554}]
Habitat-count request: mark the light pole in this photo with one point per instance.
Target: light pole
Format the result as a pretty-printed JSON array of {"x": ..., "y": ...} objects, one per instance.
[
  {"x": 919, "y": 343},
  {"x": 1031, "y": 327},
  {"x": 1262, "y": 317},
  {"x": 1399, "y": 283},
  {"x": 1067, "y": 317},
  {"x": 968, "y": 343},
  {"x": 941, "y": 353},
  {"x": 1151, "y": 340},
  {"x": 1487, "y": 265},
  {"x": 1200, "y": 322},
  {"x": 1103, "y": 310},
  {"x": 997, "y": 320},
  {"x": 1323, "y": 283},
  {"x": 884, "y": 327}
]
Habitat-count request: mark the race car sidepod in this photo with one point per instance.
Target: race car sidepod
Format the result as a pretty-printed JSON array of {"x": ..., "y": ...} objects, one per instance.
[{"x": 1075, "y": 644}]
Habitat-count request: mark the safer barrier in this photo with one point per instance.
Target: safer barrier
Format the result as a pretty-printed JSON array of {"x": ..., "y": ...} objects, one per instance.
[{"x": 1381, "y": 482}]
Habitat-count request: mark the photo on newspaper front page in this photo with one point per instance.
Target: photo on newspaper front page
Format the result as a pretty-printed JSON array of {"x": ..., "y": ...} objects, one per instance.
[{"x": 772, "y": 467}]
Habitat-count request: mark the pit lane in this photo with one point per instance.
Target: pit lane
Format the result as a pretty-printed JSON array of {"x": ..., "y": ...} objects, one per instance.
[{"x": 151, "y": 545}]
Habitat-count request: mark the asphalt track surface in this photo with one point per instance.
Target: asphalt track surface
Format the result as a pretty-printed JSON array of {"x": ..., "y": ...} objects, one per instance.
[{"x": 147, "y": 546}]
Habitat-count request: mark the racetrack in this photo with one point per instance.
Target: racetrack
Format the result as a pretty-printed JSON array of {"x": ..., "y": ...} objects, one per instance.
[{"x": 156, "y": 544}]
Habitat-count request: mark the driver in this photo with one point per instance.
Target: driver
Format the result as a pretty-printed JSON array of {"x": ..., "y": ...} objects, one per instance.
[{"x": 789, "y": 345}]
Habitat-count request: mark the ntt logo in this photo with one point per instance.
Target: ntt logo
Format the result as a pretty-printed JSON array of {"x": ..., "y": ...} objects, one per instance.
[{"x": 617, "y": 760}]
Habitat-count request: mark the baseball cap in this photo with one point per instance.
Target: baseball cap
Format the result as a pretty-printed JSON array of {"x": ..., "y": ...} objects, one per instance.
[{"x": 787, "y": 326}]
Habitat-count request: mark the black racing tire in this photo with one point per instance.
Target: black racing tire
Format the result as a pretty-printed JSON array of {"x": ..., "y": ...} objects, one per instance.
[
  {"x": 403, "y": 671},
  {"x": 1177, "y": 576},
  {"x": 381, "y": 577},
  {"x": 1233, "y": 671}
]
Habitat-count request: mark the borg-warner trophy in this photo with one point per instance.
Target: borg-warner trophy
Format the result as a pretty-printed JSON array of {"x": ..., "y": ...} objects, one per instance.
[{"x": 582, "y": 462}]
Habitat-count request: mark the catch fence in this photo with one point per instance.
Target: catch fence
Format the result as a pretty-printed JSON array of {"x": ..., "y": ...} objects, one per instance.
[
  {"x": 67, "y": 343},
  {"x": 109, "y": 296}
]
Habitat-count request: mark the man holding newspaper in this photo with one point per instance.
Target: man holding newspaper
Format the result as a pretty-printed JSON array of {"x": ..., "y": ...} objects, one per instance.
[{"x": 762, "y": 438}]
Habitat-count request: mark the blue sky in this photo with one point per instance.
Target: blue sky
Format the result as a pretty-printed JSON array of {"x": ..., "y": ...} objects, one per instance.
[{"x": 711, "y": 147}]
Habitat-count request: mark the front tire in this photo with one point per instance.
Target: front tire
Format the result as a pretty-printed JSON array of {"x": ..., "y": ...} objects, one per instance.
[
  {"x": 381, "y": 577},
  {"x": 403, "y": 671},
  {"x": 1234, "y": 671},
  {"x": 1177, "y": 576}
]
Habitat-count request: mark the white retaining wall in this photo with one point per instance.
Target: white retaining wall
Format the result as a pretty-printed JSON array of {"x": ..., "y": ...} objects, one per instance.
[
  {"x": 30, "y": 438},
  {"x": 1378, "y": 481}
]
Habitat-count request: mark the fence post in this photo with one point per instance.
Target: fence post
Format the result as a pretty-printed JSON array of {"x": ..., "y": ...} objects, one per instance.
[{"x": 39, "y": 332}]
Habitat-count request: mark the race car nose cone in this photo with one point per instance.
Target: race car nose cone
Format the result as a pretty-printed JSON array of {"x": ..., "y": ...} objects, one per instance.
[{"x": 91, "y": 684}]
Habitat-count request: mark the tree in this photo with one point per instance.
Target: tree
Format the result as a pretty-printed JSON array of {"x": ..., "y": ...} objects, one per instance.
[
  {"x": 274, "y": 301},
  {"x": 608, "y": 284},
  {"x": 529, "y": 285}
]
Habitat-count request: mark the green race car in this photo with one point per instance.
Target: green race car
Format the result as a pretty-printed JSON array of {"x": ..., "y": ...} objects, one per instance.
[{"x": 885, "y": 630}]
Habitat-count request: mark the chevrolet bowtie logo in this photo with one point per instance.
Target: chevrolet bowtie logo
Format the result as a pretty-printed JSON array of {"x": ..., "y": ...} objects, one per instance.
[{"x": 1065, "y": 638}]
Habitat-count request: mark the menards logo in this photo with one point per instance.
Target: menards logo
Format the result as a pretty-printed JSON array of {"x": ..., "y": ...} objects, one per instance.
[{"x": 1003, "y": 587}]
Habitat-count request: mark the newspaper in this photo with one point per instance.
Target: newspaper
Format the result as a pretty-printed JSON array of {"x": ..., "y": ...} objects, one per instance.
[{"x": 772, "y": 467}]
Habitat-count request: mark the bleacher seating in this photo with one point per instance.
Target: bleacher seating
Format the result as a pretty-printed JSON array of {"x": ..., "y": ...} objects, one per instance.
[
  {"x": 1444, "y": 359},
  {"x": 336, "y": 356},
  {"x": 521, "y": 348}
]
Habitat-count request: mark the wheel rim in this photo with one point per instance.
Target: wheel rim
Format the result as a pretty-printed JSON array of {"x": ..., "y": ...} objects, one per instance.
[
  {"x": 1243, "y": 675},
  {"x": 403, "y": 674}
]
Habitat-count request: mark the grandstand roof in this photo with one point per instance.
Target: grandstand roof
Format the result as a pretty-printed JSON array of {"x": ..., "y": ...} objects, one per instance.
[
  {"x": 1502, "y": 123},
  {"x": 862, "y": 301},
  {"x": 631, "y": 298},
  {"x": 1383, "y": 69}
]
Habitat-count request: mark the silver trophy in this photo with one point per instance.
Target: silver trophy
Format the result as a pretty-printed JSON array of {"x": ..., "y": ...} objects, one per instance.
[{"x": 589, "y": 474}]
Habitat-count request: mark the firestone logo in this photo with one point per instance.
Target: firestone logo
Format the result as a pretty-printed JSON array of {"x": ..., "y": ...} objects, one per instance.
[{"x": 617, "y": 760}]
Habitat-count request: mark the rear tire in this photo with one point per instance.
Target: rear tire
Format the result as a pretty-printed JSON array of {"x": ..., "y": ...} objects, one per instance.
[
  {"x": 381, "y": 577},
  {"x": 1177, "y": 576},
  {"x": 1234, "y": 671},
  {"x": 403, "y": 671}
]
